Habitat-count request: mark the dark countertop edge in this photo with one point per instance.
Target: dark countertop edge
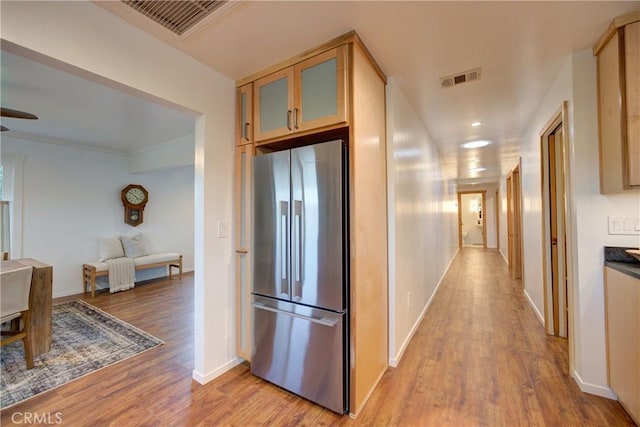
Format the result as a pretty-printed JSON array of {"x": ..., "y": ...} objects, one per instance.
[
  {"x": 631, "y": 269},
  {"x": 619, "y": 254}
]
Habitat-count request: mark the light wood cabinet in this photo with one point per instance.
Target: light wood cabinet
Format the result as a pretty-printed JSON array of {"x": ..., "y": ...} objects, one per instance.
[
  {"x": 335, "y": 91},
  {"x": 244, "y": 114},
  {"x": 618, "y": 67},
  {"x": 242, "y": 243},
  {"x": 306, "y": 97},
  {"x": 622, "y": 308}
]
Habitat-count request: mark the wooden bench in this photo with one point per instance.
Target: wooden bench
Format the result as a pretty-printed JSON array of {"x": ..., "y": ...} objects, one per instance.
[{"x": 96, "y": 269}]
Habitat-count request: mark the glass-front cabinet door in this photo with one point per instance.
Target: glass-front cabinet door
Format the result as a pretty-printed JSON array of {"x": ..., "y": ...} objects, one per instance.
[
  {"x": 273, "y": 107},
  {"x": 242, "y": 244},
  {"x": 320, "y": 90},
  {"x": 244, "y": 114},
  {"x": 307, "y": 96}
]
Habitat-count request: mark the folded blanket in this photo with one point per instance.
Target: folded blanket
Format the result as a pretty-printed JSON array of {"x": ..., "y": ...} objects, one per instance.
[{"x": 122, "y": 274}]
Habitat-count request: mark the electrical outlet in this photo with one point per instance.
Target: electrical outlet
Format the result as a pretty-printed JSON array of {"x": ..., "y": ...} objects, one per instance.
[
  {"x": 629, "y": 225},
  {"x": 223, "y": 229}
]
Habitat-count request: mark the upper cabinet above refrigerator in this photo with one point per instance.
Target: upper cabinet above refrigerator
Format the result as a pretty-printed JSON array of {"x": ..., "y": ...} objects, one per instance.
[
  {"x": 307, "y": 96},
  {"x": 244, "y": 114},
  {"x": 618, "y": 78}
]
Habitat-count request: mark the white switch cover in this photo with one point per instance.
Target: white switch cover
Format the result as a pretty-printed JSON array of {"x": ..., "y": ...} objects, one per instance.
[
  {"x": 223, "y": 229},
  {"x": 624, "y": 225}
]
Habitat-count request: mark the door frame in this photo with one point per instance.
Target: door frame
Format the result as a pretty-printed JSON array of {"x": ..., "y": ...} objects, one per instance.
[
  {"x": 484, "y": 220},
  {"x": 560, "y": 118},
  {"x": 497, "y": 220}
]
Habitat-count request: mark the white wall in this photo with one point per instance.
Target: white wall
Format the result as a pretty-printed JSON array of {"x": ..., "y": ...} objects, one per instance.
[
  {"x": 502, "y": 213},
  {"x": 588, "y": 211},
  {"x": 422, "y": 225},
  {"x": 96, "y": 43},
  {"x": 71, "y": 196},
  {"x": 490, "y": 216}
]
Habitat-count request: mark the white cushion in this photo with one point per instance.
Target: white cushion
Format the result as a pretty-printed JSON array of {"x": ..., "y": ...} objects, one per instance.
[
  {"x": 109, "y": 247},
  {"x": 153, "y": 258},
  {"x": 140, "y": 261},
  {"x": 134, "y": 246}
]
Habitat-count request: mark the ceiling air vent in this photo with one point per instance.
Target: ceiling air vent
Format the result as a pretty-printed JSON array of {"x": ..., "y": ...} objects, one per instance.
[
  {"x": 176, "y": 15},
  {"x": 460, "y": 78}
]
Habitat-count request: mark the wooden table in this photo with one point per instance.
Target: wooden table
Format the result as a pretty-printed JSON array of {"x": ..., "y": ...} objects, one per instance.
[{"x": 40, "y": 302}]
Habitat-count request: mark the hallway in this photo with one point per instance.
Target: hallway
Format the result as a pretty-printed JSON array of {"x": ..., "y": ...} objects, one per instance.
[{"x": 481, "y": 358}]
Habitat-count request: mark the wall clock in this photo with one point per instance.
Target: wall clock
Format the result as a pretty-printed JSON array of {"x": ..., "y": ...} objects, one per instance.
[{"x": 134, "y": 199}]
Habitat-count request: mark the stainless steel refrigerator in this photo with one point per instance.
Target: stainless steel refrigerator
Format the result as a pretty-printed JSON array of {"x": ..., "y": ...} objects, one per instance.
[{"x": 300, "y": 272}]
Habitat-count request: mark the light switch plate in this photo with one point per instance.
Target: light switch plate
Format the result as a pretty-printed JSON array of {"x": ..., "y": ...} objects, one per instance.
[{"x": 626, "y": 225}]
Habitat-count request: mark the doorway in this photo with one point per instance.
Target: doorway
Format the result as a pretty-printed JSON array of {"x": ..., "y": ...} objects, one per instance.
[
  {"x": 554, "y": 178},
  {"x": 514, "y": 223},
  {"x": 472, "y": 227}
]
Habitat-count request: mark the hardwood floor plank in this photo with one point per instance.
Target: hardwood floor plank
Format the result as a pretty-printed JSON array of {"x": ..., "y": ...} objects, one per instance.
[{"x": 479, "y": 357}]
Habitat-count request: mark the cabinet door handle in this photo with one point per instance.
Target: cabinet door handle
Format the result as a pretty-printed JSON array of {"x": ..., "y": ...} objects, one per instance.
[
  {"x": 246, "y": 131},
  {"x": 242, "y": 251},
  {"x": 295, "y": 118},
  {"x": 289, "y": 119}
]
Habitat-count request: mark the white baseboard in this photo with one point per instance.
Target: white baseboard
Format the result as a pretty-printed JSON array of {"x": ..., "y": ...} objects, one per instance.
[
  {"x": 506, "y": 260},
  {"x": 394, "y": 361},
  {"x": 205, "y": 378},
  {"x": 598, "y": 390},
  {"x": 67, "y": 293},
  {"x": 535, "y": 309}
]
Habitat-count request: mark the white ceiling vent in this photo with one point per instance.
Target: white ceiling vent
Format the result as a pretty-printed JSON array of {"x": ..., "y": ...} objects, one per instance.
[
  {"x": 176, "y": 15},
  {"x": 460, "y": 78}
]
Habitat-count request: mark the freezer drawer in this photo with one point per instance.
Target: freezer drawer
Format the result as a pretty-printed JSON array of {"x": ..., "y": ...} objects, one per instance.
[{"x": 300, "y": 349}]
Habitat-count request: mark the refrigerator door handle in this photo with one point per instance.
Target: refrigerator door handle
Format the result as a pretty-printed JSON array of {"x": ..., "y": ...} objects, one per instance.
[
  {"x": 284, "y": 247},
  {"x": 297, "y": 228},
  {"x": 325, "y": 321}
]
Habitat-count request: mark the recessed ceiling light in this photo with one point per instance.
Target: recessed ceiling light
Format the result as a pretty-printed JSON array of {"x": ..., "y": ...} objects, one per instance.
[
  {"x": 476, "y": 124},
  {"x": 474, "y": 170},
  {"x": 476, "y": 144}
]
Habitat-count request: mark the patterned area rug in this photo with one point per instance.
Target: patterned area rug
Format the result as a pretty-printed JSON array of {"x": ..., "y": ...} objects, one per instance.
[{"x": 84, "y": 340}]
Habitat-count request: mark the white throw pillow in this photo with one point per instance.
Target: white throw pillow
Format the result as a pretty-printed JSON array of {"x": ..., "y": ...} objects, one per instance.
[
  {"x": 109, "y": 247},
  {"x": 133, "y": 246}
]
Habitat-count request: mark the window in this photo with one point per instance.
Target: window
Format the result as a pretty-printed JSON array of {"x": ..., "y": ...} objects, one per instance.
[{"x": 11, "y": 177}]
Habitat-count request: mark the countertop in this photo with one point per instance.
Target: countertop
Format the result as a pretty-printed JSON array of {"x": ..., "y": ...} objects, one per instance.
[{"x": 617, "y": 259}]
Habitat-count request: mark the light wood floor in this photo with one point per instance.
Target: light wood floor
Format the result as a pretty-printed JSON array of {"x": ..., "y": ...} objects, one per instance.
[{"x": 479, "y": 358}]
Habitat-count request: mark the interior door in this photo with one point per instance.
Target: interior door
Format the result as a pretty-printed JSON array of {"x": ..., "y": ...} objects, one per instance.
[
  {"x": 317, "y": 225},
  {"x": 517, "y": 224},
  {"x": 514, "y": 223},
  {"x": 558, "y": 234},
  {"x": 271, "y": 226}
]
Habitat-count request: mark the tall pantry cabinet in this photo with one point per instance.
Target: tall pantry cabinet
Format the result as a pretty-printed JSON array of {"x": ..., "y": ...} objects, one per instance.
[
  {"x": 334, "y": 91},
  {"x": 242, "y": 216}
]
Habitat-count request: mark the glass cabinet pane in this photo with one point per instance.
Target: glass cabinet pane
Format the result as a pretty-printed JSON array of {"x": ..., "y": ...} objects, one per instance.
[
  {"x": 319, "y": 90},
  {"x": 274, "y": 103}
]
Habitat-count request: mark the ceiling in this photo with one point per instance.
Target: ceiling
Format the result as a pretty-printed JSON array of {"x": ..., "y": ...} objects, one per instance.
[
  {"x": 521, "y": 47},
  {"x": 76, "y": 111}
]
